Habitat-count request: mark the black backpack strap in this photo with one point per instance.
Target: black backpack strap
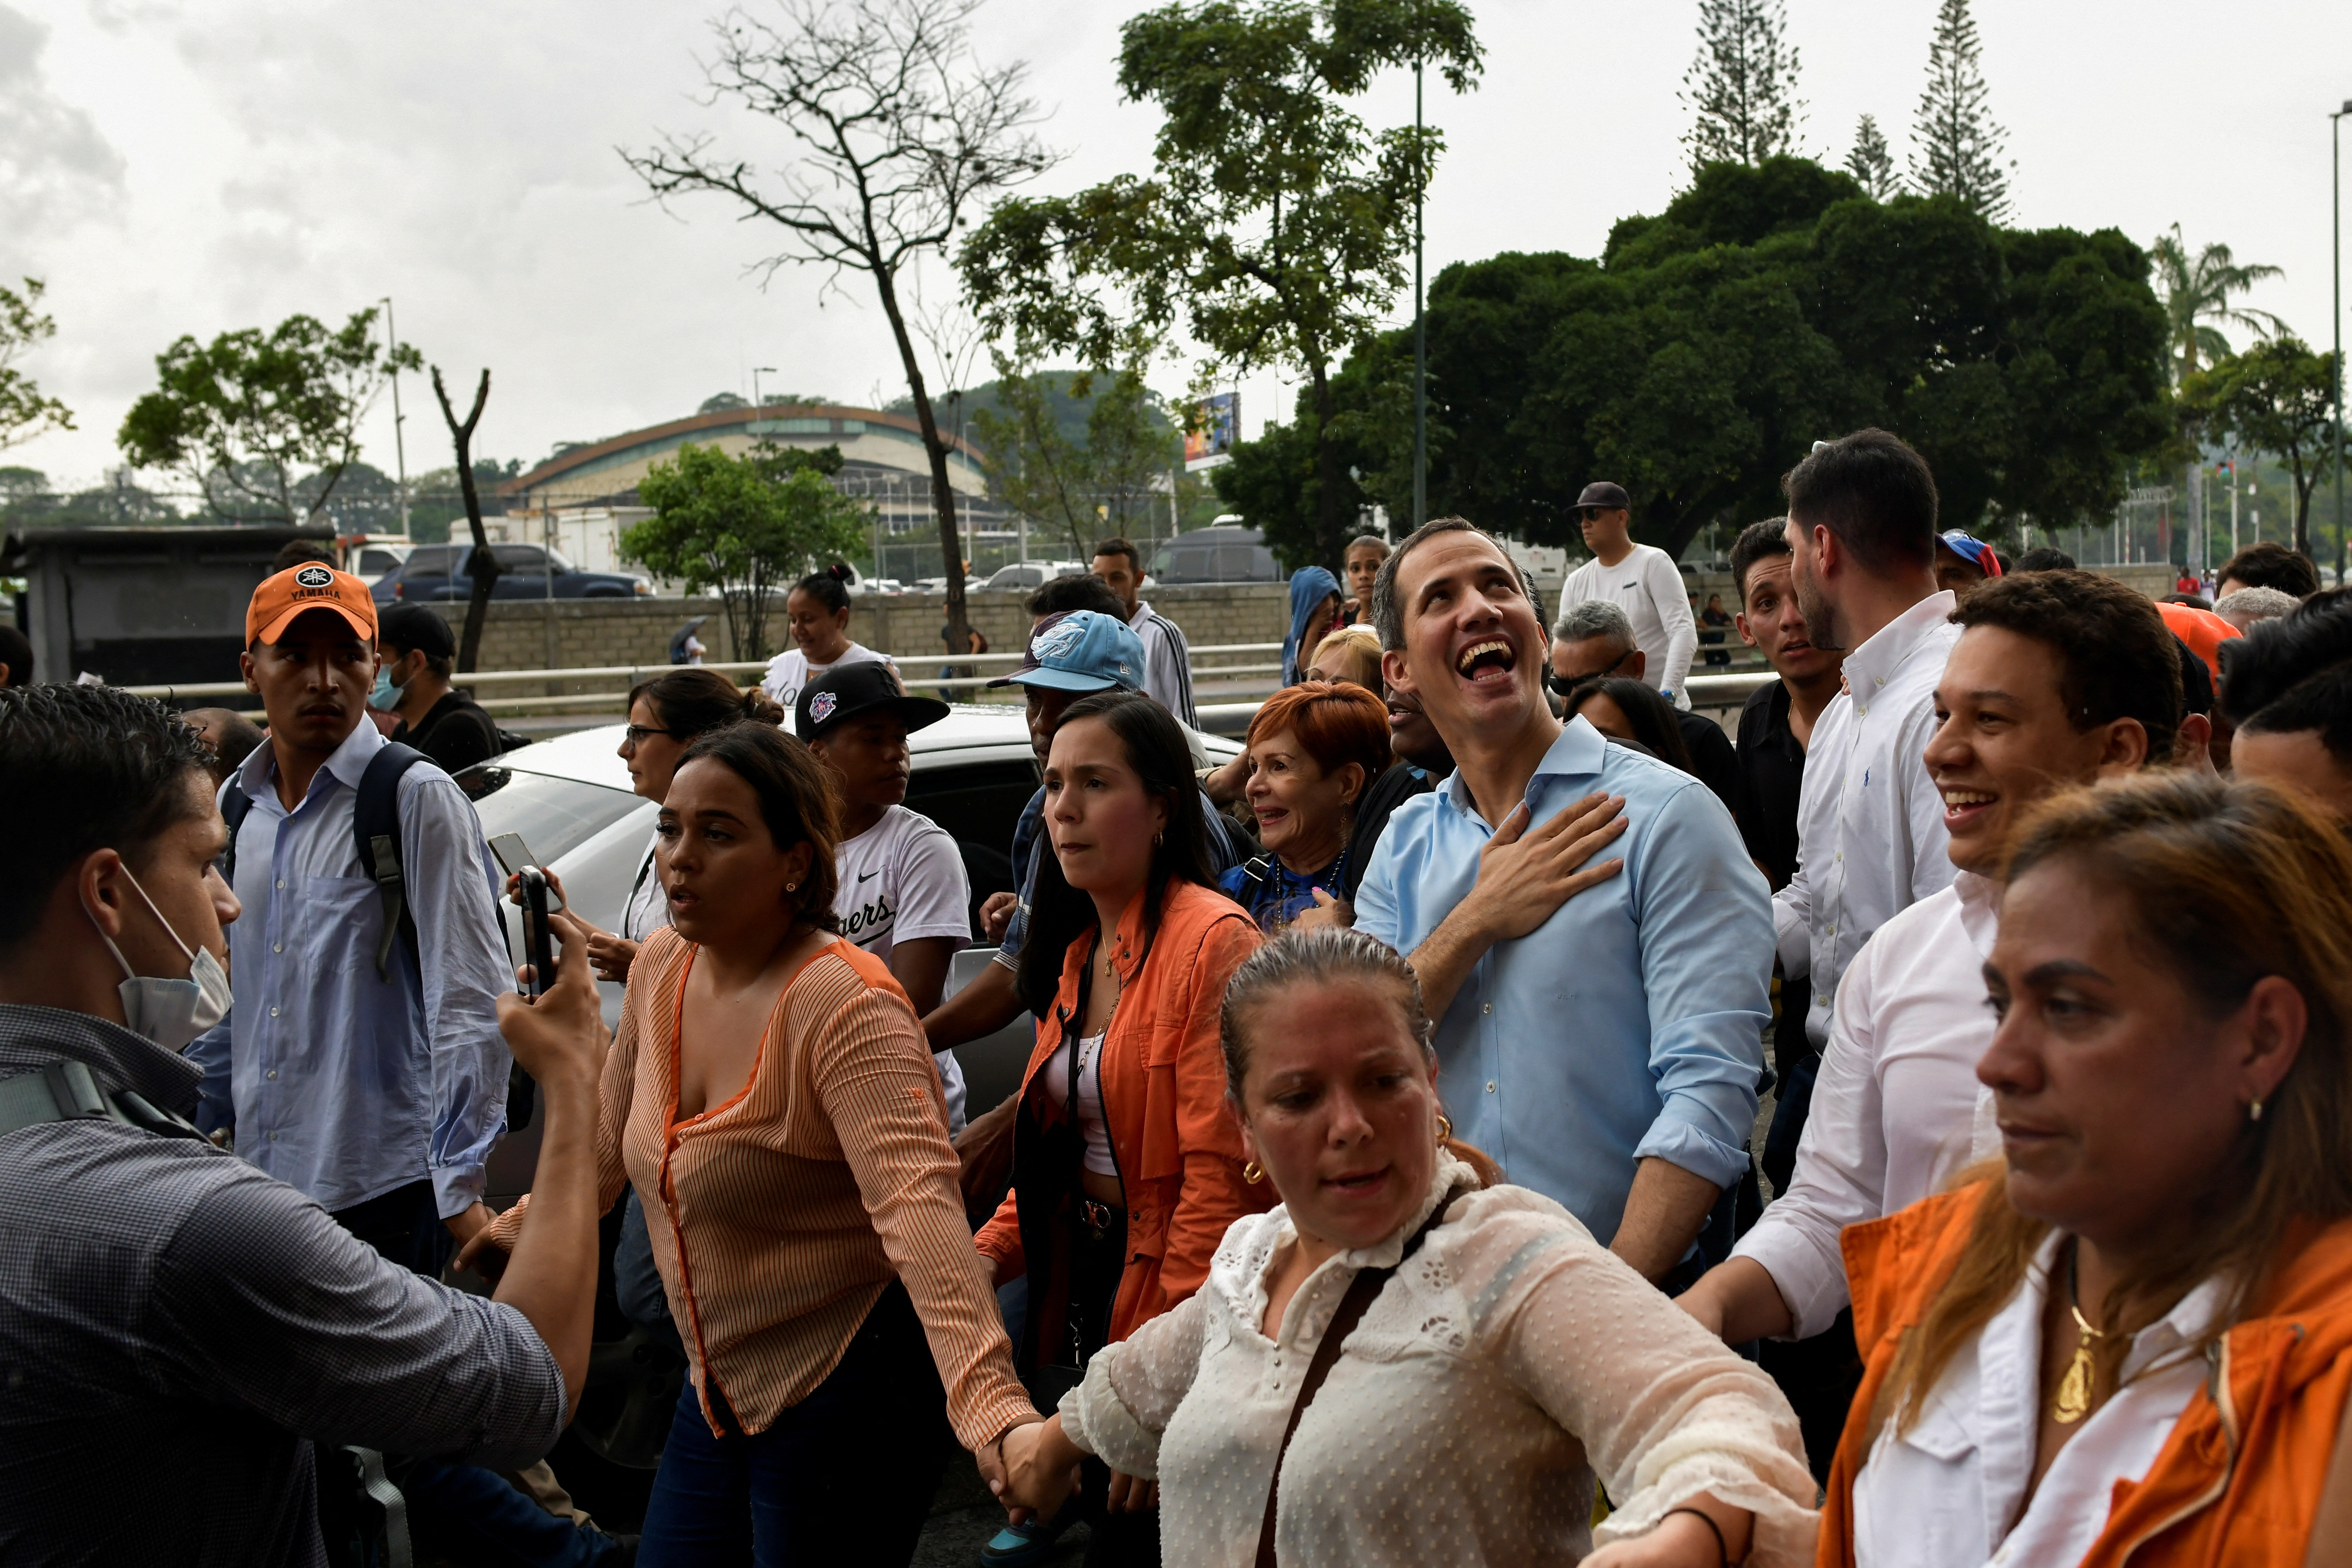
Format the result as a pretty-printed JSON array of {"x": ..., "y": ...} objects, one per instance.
[
  {"x": 1254, "y": 875},
  {"x": 375, "y": 823},
  {"x": 1362, "y": 1291},
  {"x": 68, "y": 1091}
]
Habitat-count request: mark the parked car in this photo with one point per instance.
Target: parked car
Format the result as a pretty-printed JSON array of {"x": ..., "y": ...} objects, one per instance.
[
  {"x": 436, "y": 573},
  {"x": 1216, "y": 554},
  {"x": 372, "y": 559},
  {"x": 1023, "y": 575}
]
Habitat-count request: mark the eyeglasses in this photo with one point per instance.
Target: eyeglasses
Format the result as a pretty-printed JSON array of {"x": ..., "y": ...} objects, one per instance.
[{"x": 637, "y": 732}]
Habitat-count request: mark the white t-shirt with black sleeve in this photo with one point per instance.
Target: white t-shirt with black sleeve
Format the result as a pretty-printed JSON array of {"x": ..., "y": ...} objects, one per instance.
[
  {"x": 901, "y": 879},
  {"x": 789, "y": 671}
]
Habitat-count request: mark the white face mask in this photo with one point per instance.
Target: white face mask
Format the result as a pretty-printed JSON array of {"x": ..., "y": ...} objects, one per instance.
[{"x": 169, "y": 1012}]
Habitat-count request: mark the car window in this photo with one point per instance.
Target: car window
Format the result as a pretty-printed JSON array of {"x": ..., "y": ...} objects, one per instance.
[
  {"x": 375, "y": 562},
  {"x": 554, "y": 816},
  {"x": 519, "y": 558},
  {"x": 978, "y": 803},
  {"x": 431, "y": 560}
]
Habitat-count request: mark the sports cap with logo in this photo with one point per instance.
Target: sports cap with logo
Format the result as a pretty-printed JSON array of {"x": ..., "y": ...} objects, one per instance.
[
  {"x": 310, "y": 586},
  {"x": 1080, "y": 651},
  {"x": 1973, "y": 551},
  {"x": 846, "y": 691}
]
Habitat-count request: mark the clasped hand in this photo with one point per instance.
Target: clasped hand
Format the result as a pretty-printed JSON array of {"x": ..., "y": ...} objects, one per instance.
[{"x": 1037, "y": 1470}]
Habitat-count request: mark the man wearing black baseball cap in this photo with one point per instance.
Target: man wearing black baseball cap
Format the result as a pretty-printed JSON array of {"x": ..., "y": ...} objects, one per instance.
[
  {"x": 413, "y": 681},
  {"x": 1640, "y": 579},
  {"x": 903, "y": 894}
]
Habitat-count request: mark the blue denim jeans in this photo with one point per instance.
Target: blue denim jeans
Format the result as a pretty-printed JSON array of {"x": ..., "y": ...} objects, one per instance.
[
  {"x": 847, "y": 1475},
  {"x": 476, "y": 1516}
]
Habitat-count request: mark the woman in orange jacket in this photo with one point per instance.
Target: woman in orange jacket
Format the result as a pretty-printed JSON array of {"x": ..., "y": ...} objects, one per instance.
[
  {"x": 2134, "y": 1344},
  {"x": 1127, "y": 1165}
]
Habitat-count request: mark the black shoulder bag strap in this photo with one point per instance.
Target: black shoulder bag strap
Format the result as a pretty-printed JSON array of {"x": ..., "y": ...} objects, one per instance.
[
  {"x": 1362, "y": 1291},
  {"x": 375, "y": 823}
]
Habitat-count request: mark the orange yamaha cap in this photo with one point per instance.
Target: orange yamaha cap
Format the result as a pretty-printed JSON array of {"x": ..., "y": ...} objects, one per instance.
[{"x": 310, "y": 586}]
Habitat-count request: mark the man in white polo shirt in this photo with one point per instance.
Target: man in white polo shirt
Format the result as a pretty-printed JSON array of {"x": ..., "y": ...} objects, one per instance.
[{"x": 1641, "y": 580}]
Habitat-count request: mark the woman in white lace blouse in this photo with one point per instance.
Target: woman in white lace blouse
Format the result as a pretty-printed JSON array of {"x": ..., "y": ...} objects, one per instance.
[{"x": 1506, "y": 1360}]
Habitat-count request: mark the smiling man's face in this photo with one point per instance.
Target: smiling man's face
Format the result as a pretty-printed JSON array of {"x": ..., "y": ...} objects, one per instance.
[{"x": 1473, "y": 651}]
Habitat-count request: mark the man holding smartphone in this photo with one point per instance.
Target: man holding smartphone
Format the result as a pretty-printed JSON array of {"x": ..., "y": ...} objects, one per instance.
[{"x": 363, "y": 1063}]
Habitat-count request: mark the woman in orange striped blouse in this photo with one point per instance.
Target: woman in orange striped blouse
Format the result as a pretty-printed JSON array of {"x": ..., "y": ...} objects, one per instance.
[{"x": 770, "y": 1097}]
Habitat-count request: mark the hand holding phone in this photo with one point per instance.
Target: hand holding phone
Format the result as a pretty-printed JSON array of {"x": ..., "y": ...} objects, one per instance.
[{"x": 538, "y": 940}]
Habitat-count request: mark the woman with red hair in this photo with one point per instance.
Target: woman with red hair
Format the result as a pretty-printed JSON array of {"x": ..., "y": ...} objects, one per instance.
[{"x": 1313, "y": 749}]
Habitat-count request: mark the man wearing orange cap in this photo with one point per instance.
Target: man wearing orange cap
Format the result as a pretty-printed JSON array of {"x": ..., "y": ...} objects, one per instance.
[{"x": 363, "y": 1061}]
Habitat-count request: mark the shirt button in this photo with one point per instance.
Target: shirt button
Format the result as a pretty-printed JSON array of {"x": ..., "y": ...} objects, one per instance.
[
  {"x": 1490, "y": 1086},
  {"x": 277, "y": 946},
  {"x": 281, "y": 884},
  {"x": 1485, "y": 1006},
  {"x": 273, "y": 1012},
  {"x": 273, "y": 1137},
  {"x": 271, "y": 1073},
  {"x": 1839, "y": 856}
]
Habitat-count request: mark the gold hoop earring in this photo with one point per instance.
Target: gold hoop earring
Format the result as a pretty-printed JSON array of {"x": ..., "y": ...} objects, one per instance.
[
  {"x": 1444, "y": 1128},
  {"x": 2255, "y": 1112},
  {"x": 1253, "y": 1172}
]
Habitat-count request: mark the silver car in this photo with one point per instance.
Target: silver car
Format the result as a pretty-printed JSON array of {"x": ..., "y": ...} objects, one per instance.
[{"x": 570, "y": 799}]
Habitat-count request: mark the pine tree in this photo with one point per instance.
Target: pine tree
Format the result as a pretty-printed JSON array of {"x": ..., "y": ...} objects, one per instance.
[
  {"x": 1958, "y": 146},
  {"x": 1871, "y": 163},
  {"x": 1741, "y": 87}
]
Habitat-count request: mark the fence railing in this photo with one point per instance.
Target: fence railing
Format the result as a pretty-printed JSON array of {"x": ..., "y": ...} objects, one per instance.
[{"x": 611, "y": 683}]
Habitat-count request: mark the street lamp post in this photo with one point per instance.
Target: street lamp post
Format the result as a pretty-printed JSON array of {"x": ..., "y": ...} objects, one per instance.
[
  {"x": 399, "y": 441},
  {"x": 1420, "y": 338},
  {"x": 2335, "y": 173},
  {"x": 757, "y": 371}
]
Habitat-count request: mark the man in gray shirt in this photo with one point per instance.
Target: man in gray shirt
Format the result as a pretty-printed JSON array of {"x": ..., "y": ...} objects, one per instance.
[{"x": 178, "y": 1329}]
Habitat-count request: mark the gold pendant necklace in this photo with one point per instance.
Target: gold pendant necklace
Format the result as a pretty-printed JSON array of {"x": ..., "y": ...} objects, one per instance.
[{"x": 2074, "y": 1398}]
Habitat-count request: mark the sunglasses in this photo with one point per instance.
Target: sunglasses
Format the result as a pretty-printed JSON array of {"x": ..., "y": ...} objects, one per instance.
[{"x": 637, "y": 732}]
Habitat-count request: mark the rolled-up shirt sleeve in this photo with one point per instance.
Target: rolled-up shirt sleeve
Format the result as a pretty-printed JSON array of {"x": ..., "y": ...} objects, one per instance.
[
  {"x": 462, "y": 952},
  {"x": 1705, "y": 918},
  {"x": 1376, "y": 900},
  {"x": 271, "y": 1307}
]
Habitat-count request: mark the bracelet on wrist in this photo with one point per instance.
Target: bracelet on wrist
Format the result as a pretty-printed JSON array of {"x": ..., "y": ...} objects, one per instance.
[{"x": 1722, "y": 1548}]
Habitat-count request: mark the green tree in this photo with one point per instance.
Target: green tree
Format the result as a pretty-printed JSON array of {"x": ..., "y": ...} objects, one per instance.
[
  {"x": 1275, "y": 225},
  {"x": 897, "y": 134},
  {"x": 1103, "y": 476},
  {"x": 2276, "y": 397},
  {"x": 1871, "y": 163},
  {"x": 2196, "y": 293},
  {"x": 742, "y": 527},
  {"x": 1741, "y": 89},
  {"x": 1958, "y": 146},
  {"x": 23, "y": 411},
  {"x": 1765, "y": 309},
  {"x": 242, "y": 416}
]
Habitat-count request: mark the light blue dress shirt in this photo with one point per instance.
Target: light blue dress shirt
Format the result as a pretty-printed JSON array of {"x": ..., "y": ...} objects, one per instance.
[
  {"x": 343, "y": 1084},
  {"x": 1628, "y": 1025}
]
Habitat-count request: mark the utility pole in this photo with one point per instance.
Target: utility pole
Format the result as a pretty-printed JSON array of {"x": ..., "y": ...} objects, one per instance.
[
  {"x": 399, "y": 443},
  {"x": 2336, "y": 172},
  {"x": 757, "y": 371},
  {"x": 2234, "y": 503},
  {"x": 1421, "y": 338}
]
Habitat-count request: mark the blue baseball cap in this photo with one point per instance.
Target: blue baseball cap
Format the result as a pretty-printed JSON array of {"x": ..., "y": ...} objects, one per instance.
[
  {"x": 1080, "y": 651},
  {"x": 1973, "y": 551}
]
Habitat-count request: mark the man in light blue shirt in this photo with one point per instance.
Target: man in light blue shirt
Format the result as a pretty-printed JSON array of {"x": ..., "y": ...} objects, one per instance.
[
  {"x": 379, "y": 1096},
  {"x": 1600, "y": 1027}
]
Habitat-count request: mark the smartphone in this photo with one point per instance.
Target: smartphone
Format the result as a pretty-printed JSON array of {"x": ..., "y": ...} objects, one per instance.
[
  {"x": 512, "y": 853},
  {"x": 538, "y": 935}
]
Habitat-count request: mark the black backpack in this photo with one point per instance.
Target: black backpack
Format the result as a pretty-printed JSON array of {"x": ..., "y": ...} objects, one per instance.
[{"x": 376, "y": 827}]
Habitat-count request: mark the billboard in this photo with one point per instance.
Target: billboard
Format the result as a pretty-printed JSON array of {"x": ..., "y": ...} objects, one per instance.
[{"x": 1218, "y": 423}]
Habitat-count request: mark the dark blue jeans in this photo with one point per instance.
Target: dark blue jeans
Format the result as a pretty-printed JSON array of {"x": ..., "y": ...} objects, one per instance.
[
  {"x": 477, "y": 1517},
  {"x": 845, "y": 1476}
]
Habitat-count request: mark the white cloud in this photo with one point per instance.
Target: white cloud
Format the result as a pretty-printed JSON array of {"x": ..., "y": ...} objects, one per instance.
[{"x": 248, "y": 159}]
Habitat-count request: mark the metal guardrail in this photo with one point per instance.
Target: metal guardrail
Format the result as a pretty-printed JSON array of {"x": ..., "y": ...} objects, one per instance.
[{"x": 625, "y": 676}]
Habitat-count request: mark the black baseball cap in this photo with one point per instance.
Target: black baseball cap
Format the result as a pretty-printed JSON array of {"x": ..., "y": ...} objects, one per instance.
[
  {"x": 845, "y": 691},
  {"x": 416, "y": 629},
  {"x": 1602, "y": 493}
]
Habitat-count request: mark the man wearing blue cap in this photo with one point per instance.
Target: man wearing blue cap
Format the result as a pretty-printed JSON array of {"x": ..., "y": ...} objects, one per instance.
[
  {"x": 1963, "y": 560},
  {"x": 1068, "y": 656}
]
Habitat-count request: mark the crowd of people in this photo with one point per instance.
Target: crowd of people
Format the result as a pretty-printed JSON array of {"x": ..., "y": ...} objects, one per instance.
[{"x": 1385, "y": 1182}]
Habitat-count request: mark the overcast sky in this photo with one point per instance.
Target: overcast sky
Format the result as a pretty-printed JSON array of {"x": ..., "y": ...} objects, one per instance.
[{"x": 173, "y": 168}]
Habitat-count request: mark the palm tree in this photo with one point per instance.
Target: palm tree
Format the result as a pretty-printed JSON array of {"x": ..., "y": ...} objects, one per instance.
[{"x": 2198, "y": 292}]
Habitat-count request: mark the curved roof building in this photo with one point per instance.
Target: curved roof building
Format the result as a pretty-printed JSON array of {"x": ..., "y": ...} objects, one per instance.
[{"x": 882, "y": 458}]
